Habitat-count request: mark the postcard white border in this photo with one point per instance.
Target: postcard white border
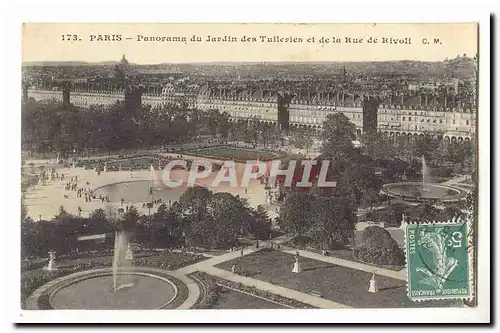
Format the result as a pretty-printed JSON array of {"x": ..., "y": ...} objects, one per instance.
[{"x": 243, "y": 11}]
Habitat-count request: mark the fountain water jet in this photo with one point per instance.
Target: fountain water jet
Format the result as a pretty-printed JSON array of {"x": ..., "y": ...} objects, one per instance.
[
  {"x": 425, "y": 175},
  {"x": 122, "y": 259}
]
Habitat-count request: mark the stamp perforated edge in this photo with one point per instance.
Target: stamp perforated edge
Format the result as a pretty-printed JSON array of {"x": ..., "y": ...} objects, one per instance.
[{"x": 468, "y": 220}]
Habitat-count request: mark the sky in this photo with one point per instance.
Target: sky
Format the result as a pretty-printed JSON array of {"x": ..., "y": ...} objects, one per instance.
[{"x": 429, "y": 42}]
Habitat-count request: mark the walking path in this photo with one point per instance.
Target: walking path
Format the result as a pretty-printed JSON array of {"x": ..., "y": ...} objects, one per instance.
[
  {"x": 207, "y": 266},
  {"x": 202, "y": 265},
  {"x": 274, "y": 289},
  {"x": 399, "y": 275},
  {"x": 456, "y": 180}
]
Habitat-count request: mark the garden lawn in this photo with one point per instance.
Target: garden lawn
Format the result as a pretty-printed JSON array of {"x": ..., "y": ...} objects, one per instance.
[
  {"x": 336, "y": 283},
  {"x": 231, "y": 153}
]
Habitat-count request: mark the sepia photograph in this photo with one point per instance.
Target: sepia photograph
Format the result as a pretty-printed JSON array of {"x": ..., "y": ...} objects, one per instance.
[{"x": 224, "y": 166}]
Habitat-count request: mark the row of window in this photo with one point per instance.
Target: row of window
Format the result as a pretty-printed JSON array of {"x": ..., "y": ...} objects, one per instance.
[
  {"x": 243, "y": 103},
  {"x": 428, "y": 120}
]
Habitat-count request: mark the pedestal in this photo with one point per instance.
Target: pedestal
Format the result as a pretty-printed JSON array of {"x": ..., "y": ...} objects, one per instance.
[
  {"x": 129, "y": 255},
  {"x": 373, "y": 285},
  {"x": 51, "y": 266},
  {"x": 52, "y": 262},
  {"x": 296, "y": 267}
]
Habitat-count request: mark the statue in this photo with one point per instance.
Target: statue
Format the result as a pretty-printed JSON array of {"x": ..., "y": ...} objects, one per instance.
[
  {"x": 403, "y": 222},
  {"x": 129, "y": 255},
  {"x": 296, "y": 265},
  {"x": 52, "y": 261},
  {"x": 373, "y": 285}
]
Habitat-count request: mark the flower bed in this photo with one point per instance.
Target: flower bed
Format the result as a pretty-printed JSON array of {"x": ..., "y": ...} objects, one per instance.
[{"x": 211, "y": 280}]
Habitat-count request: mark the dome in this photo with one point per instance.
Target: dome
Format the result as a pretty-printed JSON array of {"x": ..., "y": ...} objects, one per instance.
[
  {"x": 124, "y": 61},
  {"x": 123, "y": 65}
]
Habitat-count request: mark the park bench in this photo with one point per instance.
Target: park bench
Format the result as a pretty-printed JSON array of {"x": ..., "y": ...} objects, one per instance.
[{"x": 316, "y": 293}]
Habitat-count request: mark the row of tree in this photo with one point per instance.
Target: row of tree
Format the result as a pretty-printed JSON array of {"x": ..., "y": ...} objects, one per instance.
[
  {"x": 438, "y": 153},
  {"x": 53, "y": 127},
  {"x": 200, "y": 219}
]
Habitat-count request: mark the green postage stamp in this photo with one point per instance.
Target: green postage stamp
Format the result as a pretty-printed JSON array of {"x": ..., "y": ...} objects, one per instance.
[{"x": 439, "y": 260}]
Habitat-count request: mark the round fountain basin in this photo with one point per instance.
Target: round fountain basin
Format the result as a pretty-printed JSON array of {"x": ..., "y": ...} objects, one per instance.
[
  {"x": 145, "y": 291},
  {"x": 414, "y": 191},
  {"x": 138, "y": 191}
]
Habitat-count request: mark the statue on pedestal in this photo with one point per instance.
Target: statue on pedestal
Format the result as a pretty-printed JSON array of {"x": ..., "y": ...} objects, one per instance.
[
  {"x": 403, "y": 222},
  {"x": 129, "y": 255},
  {"x": 296, "y": 265},
  {"x": 373, "y": 285},
  {"x": 52, "y": 261}
]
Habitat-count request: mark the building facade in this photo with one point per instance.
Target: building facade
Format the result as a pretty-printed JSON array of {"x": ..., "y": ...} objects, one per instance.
[{"x": 405, "y": 115}]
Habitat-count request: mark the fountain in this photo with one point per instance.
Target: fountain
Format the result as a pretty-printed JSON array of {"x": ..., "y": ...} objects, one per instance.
[
  {"x": 425, "y": 175},
  {"x": 122, "y": 260},
  {"x": 120, "y": 287},
  {"x": 155, "y": 180},
  {"x": 424, "y": 190}
]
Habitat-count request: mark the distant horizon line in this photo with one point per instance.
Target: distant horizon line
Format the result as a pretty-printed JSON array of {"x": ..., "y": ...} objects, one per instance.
[{"x": 83, "y": 62}]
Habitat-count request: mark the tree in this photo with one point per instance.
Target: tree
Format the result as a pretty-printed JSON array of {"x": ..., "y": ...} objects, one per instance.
[
  {"x": 298, "y": 208},
  {"x": 333, "y": 222},
  {"x": 379, "y": 248},
  {"x": 426, "y": 146},
  {"x": 337, "y": 135},
  {"x": 259, "y": 223},
  {"x": 422, "y": 213},
  {"x": 228, "y": 214},
  {"x": 377, "y": 146},
  {"x": 128, "y": 222},
  {"x": 359, "y": 184},
  {"x": 195, "y": 200}
]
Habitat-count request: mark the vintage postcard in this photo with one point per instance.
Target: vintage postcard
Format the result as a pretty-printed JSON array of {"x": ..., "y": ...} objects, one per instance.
[{"x": 176, "y": 167}]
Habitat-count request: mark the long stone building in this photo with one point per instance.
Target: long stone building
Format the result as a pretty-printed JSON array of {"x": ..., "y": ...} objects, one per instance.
[{"x": 404, "y": 115}]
